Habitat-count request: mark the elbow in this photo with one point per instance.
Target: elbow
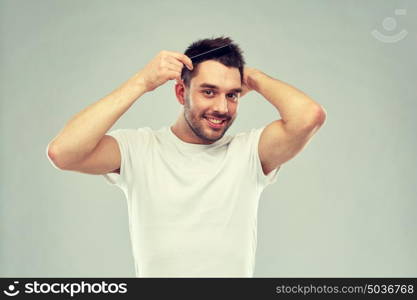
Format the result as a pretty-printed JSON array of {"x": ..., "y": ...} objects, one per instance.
[
  {"x": 321, "y": 115},
  {"x": 318, "y": 117},
  {"x": 53, "y": 157}
]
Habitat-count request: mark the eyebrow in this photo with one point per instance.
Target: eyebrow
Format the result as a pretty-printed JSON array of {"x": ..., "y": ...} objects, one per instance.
[{"x": 212, "y": 86}]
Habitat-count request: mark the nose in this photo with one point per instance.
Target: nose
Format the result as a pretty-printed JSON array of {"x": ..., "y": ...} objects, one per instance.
[{"x": 220, "y": 104}]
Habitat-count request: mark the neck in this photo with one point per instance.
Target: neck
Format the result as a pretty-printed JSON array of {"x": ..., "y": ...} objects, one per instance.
[{"x": 183, "y": 131}]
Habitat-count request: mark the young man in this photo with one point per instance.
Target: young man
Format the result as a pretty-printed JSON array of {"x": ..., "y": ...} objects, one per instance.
[{"x": 192, "y": 191}]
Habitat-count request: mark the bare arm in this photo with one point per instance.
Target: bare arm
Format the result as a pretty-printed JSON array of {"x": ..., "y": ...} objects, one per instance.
[
  {"x": 82, "y": 144},
  {"x": 84, "y": 131},
  {"x": 301, "y": 117}
]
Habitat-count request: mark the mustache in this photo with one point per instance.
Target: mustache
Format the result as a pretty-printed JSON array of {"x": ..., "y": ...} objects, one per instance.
[{"x": 227, "y": 118}]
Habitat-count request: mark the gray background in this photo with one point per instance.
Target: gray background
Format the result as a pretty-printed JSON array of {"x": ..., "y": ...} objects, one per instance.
[{"x": 345, "y": 206}]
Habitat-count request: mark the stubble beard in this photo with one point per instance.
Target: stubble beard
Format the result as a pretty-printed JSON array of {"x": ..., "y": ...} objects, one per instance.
[{"x": 196, "y": 124}]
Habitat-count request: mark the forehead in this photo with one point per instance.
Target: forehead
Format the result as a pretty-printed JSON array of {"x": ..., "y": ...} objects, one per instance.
[{"x": 213, "y": 72}]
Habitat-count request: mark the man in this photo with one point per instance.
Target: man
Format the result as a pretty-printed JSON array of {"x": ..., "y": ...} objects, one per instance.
[{"x": 192, "y": 191}]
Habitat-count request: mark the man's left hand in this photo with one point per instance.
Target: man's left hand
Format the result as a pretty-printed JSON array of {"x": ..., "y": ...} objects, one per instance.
[{"x": 248, "y": 83}]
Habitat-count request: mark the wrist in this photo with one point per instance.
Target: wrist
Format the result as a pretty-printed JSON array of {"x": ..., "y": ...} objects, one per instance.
[
  {"x": 139, "y": 83},
  {"x": 254, "y": 75}
]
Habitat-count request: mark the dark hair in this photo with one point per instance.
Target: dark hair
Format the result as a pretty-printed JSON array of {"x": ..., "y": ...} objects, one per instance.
[{"x": 233, "y": 58}]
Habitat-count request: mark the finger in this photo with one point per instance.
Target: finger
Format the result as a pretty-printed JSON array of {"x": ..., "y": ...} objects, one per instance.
[
  {"x": 184, "y": 59},
  {"x": 176, "y": 62},
  {"x": 174, "y": 75},
  {"x": 175, "y": 67}
]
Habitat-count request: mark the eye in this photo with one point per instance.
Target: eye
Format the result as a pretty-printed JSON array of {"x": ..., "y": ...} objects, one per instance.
[
  {"x": 208, "y": 92},
  {"x": 233, "y": 96}
]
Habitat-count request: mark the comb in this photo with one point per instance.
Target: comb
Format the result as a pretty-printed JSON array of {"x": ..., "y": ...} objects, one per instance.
[{"x": 216, "y": 52}]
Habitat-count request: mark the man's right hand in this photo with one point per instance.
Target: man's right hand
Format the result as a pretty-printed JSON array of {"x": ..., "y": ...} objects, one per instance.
[{"x": 166, "y": 65}]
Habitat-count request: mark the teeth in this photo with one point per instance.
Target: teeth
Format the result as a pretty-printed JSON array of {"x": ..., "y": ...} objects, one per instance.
[{"x": 215, "y": 121}]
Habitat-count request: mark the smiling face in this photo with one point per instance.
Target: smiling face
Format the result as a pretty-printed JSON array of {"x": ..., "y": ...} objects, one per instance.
[{"x": 210, "y": 103}]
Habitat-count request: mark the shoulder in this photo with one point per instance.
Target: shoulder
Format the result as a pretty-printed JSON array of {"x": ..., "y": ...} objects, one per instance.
[
  {"x": 132, "y": 136},
  {"x": 246, "y": 141},
  {"x": 248, "y": 136},
  {"x": 131, "y": 132}
]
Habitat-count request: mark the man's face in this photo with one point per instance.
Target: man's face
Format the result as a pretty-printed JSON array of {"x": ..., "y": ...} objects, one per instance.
[{"x": 213, "y": 94}]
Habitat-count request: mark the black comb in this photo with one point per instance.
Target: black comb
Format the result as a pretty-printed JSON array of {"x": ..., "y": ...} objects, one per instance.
[{"x": 216, "y": 52}]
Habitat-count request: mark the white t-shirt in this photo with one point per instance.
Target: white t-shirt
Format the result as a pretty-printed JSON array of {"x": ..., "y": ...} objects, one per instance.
[{"x": 192, "y": 207}]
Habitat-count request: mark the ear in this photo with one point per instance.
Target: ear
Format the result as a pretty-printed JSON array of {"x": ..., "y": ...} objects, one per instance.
[{"x": 180, "y": 91}]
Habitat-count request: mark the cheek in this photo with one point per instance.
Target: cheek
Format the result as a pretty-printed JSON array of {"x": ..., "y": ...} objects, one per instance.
[
  {"x": 233, "y": 109},
  {"x": 198, "y": 105}
]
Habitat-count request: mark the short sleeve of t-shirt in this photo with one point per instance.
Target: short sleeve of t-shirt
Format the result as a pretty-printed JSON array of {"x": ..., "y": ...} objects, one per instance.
[
  {"x": 131, "y": 144},
  {"x": 263, "y": 180}
]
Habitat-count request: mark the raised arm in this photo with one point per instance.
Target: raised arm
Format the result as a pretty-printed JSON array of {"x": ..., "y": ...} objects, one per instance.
[
  {"x": 301, "y": 117},
  {"x": 82, "y": 144}
]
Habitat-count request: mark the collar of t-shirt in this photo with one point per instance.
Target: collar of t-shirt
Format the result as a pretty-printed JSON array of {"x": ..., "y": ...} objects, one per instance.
[{"x": 189, "y": 147}]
